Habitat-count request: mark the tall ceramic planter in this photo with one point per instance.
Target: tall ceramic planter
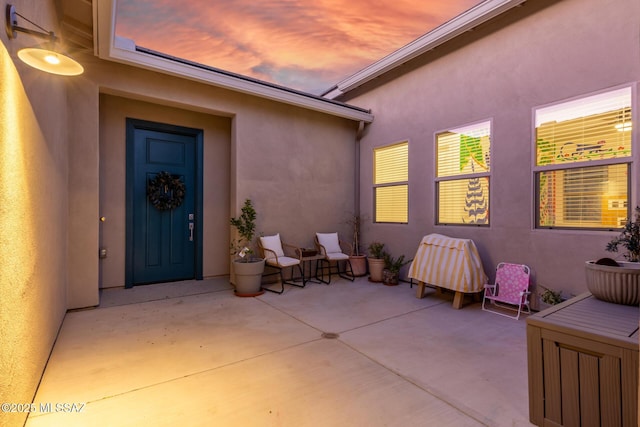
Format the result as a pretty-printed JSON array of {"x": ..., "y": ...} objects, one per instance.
[
  {"x": 376, "y": 267},
  {"x": 358, "y": 264},
  {"x": 248, "y": 277},
  {"x": 619, "y": 285}
]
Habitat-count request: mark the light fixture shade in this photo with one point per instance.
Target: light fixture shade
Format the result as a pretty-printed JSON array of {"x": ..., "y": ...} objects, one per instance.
[
  {"x": 50, "y": 61},
  {"x": 46, "y": 57}
]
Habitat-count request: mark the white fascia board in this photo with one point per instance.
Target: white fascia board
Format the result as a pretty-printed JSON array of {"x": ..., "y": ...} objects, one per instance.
[
  {"x": 445, "y": 32},
  {"x": 110, "y": 48}
]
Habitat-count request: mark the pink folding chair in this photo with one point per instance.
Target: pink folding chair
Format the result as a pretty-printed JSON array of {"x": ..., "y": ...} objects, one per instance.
[{"x": 510, "y": 291}]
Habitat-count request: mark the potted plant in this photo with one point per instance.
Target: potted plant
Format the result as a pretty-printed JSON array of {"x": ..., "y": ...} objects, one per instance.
[
  {"x": 392, "y": 266},
  {"x": 548, "y": 297},
  {"x": 357, "y": 259},
  {"x": 376, "y": 261},
  {"x": 629, "y": 238},
  {"x": 247, "y": 269},
  {"x": 618, "y": 281}
]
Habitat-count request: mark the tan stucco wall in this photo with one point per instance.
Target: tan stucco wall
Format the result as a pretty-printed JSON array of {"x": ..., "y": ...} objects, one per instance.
[
  {"x": 33, "y": 218},
  {"x": 82, "y": 128},
  {"x": 296, "y": 165},
  {"x": 535, "y": 56}
]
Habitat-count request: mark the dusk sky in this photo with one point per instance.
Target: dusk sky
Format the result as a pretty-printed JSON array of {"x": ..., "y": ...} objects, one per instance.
[{"x": 308, "y": 45}]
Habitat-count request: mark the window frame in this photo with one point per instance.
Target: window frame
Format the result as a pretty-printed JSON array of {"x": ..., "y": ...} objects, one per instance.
[
  {"x": 461, "y": 177},
  {"x": 389, "y": 184},
  {"x": 630, "y": 161}
]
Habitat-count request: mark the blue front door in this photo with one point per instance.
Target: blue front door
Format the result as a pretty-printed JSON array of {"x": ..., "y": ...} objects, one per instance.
[{"x": 162, "y": 242}]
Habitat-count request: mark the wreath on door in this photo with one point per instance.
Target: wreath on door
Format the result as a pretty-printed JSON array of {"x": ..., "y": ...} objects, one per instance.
[{"x": 165, "y": 191}]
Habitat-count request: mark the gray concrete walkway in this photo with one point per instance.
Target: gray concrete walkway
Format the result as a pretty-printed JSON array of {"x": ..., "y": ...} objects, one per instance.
[{"x": 192, "y": 353}]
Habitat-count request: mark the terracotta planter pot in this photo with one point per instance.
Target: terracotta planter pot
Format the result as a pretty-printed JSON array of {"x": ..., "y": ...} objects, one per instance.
[
  {"x": 359, "y": 265},
  {"x": 248, "y": 277},
  {"x": 619, "y": 285},
  {"x": 376, "y": 267}
]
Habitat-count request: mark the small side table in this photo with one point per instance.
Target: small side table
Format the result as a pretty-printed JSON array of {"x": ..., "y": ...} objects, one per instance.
[{"x": 305, "y": 261}]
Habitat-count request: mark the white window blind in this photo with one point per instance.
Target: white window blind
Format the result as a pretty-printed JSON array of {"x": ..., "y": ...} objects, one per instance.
[
  {"x": 593, "y": 128},
  {"x": 570, "y": 136},
  {"x": 391, "y": 203},
  {"x": 474, "y": 192},
  {"x": 391, "y": 163},
  {"x": 591, "y": 197},
  {"x": 390, "y": 179},
  {"x": 463, "y": 162}
]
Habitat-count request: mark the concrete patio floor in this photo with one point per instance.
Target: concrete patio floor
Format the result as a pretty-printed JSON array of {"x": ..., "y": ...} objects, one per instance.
[{"x": 191, "y": 353}]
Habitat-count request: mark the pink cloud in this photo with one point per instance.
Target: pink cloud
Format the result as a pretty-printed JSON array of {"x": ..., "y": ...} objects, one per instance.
[{"x": 307, "y": 45}]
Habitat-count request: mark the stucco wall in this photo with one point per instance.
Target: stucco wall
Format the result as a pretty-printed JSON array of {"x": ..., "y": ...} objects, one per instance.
[
  {"x": 296, "y": 165},
  {"x": 33, "y": 217},
  {"x": 542, "y": 52}
]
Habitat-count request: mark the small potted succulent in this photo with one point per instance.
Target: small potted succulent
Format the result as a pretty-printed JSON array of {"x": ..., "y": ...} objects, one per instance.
[
  {"x": 376, "y": 261},
  {"x": 618, "y": 281},
  {"x": 629, "y": 238},
  {"x": 392, "y": 266},
  {"x": 548, "y": 297}
]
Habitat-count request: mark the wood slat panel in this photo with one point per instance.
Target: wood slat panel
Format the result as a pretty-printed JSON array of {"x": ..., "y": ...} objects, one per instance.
[
  {"x": 589, "y": 390},
  {"x": 570, "y": 386},
  {"x": 588, "y": 346},
  {"x": 534, "y": 366},
  {"x": 552, "y": 388},
  {"x": 630, "y": 373},
  {"x": 610, "y": 390}
]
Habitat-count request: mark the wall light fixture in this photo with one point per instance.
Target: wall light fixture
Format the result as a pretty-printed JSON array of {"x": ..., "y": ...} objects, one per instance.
[{"x": 46, "y": 57}]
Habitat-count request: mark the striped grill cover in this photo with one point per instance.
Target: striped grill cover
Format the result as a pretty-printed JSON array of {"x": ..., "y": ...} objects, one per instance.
[{"x": 448, "y": 263}]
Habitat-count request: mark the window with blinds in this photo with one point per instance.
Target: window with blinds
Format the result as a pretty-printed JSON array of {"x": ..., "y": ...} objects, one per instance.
[
  {"x": 391, "y": 183},
  {"x": 583, "y": 160},
  {"x": 462, "y": 174}
]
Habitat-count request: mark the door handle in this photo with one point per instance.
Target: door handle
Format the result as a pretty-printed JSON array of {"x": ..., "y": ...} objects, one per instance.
[{"x": 191, "y": 232}]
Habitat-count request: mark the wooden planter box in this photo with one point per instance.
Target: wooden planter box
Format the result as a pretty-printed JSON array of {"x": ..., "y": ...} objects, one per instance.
[{"x": 583, "y": 364}]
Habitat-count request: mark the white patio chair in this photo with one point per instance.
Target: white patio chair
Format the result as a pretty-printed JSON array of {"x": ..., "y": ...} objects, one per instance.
[
  {"x": 333, "y": 250},
  {"x": 273, "y": 251}
]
